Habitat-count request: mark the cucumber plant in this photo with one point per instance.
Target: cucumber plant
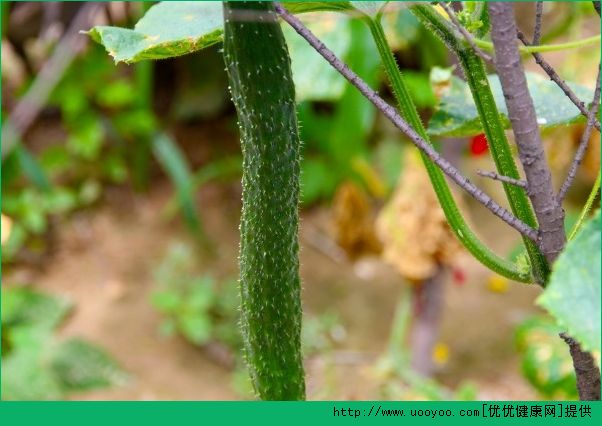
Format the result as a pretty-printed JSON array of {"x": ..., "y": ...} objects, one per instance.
[{"x": 262, "y": 88}]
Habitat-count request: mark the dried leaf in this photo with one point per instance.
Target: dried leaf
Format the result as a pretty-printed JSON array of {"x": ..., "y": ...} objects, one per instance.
[
  {"x": 413, "y": 228},
  {"x": 353, "y": 222}
]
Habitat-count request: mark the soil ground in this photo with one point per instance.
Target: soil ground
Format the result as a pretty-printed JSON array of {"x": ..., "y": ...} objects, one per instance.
[{"x": 104, "y": 258}]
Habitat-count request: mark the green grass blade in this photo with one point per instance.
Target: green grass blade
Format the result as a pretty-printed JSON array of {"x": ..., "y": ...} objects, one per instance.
[
  {"x": 173, "y": 162},
  {"x": 31, "y": 168}
]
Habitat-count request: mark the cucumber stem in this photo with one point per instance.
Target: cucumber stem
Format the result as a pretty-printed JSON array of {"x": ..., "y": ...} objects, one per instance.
[
  {"x": 454, "y": 217},
  {"x": 478, "y": 83}
]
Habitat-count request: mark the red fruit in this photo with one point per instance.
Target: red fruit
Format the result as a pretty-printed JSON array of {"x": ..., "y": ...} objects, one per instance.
[
  {"x": 478, "y": 145},
  {"x": 458, "y": 276}
]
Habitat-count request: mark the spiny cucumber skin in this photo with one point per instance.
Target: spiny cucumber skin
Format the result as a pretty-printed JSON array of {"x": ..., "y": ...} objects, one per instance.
[{"x": 262, "y": 89}]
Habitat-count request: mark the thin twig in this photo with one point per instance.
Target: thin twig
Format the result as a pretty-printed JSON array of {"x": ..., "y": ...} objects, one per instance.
[
  {"x": 28, "y": 108},
  {"x": 583, "y": 144},
  {"x": 453, "y": 173},
  {"x": 452, "y": 15},
  {"x": 537, "y": 28},
  {"x": 506, "y": 179},
  {"x": 559, "y": 81}
]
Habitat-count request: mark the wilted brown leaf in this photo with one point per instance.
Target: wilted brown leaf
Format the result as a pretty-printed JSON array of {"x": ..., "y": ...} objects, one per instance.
[
  {"x": 412, "y": 226},
  {"x": 354, "y": 222}
]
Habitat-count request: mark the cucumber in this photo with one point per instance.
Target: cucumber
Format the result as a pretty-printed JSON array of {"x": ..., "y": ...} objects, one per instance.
[{"x": 263, "y": 93}]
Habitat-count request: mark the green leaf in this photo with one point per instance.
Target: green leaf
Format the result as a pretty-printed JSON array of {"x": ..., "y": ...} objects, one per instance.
[
  {"x": 173, "y": 162},
  {"x": 456, "y": 115},
  {"x": 25, "y": 375},
  {"x": 60, "y": 201},
  {"x": 176, "y": 28},
  {"x": 573, "y": 294},
  {"x": 166, "y": 301},
  {"x": 168, "y": 29},
  {"x": 317, "y": 180},
  {"x": 36, "y": 368},
  {"x": 314, "y": 78},
  {"x": 546, "y": 363},
  {"x": 388, "y": 158},
  {"x": 115, "y": 168},
  {"x": 87, "y": 138},
  {"x": 420, "y": 89},
  {"x": 475, "y": 18},
  {"x": 32, "y": 168},
  {"x": 72, "y": 100},
  {"x": 17, "y": 239},
  {"x": 354, "y": 116},
  {"x": 172, "y": 29},
  {"x": 79, "y": 366},
  {"x": 196, "y": 328},
  {"x": 55, "y": 160},
  {"x": 138, "y": 123},
  {"x": 28, "y": 208},
  {"x": 317, "y": 6},
  {"x": 370, "y": 8},
  {"x": 201, "y": 296},
  {"x": 23, "y": 306},
  {"x": 117, "y": 94}
]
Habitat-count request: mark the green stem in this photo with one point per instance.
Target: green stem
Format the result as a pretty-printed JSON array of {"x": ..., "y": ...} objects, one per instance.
[
  {"x": 586, "y": 208},
  {"x": 476, "y": 76},
  {"x": 487, "y": 45},
  {"x": 455, "y": 219},
  {"x": 144, "y": 84}
]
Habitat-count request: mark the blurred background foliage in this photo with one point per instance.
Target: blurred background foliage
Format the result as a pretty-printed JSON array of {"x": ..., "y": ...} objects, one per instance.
[{"x": 106, "y": 135}]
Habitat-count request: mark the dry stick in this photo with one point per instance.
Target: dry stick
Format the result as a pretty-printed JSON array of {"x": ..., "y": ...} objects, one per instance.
[
  {"x": 30, "y": 105},
  {"x": 548, "y": 210},
  {"x": 521, "y": 113},
  {"x": 502, "y": 178},
  {"x": 426, "y": 322},
  {"x": 559, "y": 81},
  {"x": 537, "y": 29},
  {"x": 588, "y": 375},
  {"x": 583, "y": 144},
  {"x": 452, "y": 15},
  {"x": 453, "y": 173}
]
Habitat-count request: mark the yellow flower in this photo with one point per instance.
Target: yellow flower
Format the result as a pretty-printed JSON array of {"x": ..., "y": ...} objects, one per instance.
[
  {"x": 497, "y": 284},
  {"x": 440, "y": 354}
]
